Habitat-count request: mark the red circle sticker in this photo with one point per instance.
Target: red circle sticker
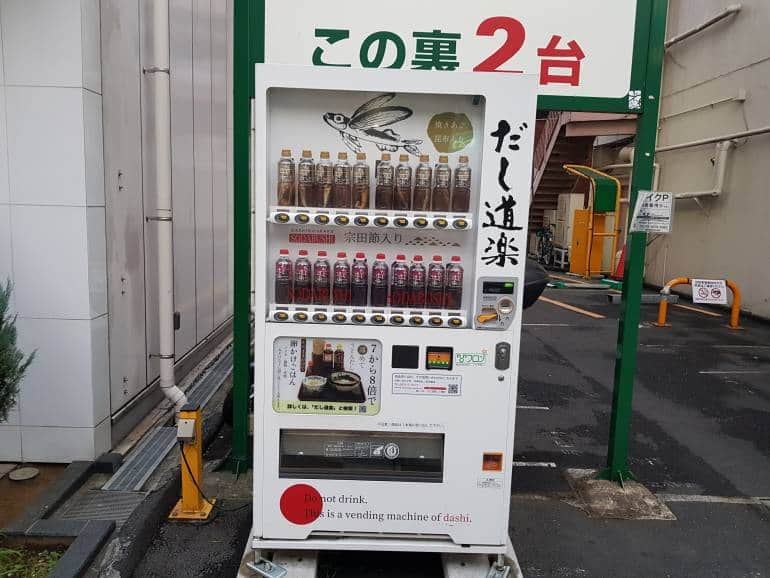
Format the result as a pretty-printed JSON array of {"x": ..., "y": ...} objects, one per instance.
[{"x": 301, "y": 504}]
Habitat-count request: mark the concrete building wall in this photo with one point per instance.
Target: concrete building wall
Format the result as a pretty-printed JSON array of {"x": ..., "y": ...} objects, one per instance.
[
  {"x": 74, "y": 192},
  {"x": 726, "y": 236}
]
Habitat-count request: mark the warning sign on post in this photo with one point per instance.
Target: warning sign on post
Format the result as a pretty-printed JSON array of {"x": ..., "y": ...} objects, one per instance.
[
  {"x": 652, "y": 213},
  {"x": 709, "y": 291}
]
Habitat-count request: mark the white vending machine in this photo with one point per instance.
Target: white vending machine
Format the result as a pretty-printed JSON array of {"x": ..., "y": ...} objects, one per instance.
[{"x": 390, "y": 222}]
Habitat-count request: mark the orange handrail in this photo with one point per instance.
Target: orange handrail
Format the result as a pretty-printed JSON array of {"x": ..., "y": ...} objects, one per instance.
[{"x": 735, "y": 310}]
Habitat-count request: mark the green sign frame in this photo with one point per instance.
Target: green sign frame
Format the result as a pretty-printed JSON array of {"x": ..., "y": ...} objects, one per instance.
[{"x": 646, "y": 73}]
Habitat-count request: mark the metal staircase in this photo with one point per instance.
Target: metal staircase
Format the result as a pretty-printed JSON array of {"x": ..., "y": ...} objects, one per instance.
[{"x": 566, "y": 138}]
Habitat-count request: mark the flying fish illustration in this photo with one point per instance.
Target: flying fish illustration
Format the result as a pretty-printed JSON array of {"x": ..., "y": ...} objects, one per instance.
[{"x": 367, "y": 122}]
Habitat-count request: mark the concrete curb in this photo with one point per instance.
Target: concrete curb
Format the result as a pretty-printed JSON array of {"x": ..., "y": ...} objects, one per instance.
[
  {"x": 132, "y": 541},
  {"x": 67, "y": 484}
]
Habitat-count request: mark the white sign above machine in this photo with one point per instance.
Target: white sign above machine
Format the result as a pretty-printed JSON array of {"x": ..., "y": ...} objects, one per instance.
[{"x": 578, "y": 49}]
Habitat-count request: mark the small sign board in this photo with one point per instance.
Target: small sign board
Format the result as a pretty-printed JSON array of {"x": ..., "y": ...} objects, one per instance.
[
  {"x": 709, "y": 291},
  {"x": 653, "y": 212}
]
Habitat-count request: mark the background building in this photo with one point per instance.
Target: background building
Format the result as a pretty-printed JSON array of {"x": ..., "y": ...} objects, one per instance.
[
  {"x": 717, "y": 82},
  {"x": 74, "y": 193}
]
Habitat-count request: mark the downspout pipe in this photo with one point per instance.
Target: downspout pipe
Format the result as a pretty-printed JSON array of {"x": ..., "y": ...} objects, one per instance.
[
  {"x": 159, "y": 80},
  {"x": 722, "y": 156}
]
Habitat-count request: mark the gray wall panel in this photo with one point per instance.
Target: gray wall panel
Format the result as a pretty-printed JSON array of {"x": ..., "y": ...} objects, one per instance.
[
  {"x": 123, "y": 188},
  {"x": 183, "y": 171},
  {"x": 202, "y": 107}
]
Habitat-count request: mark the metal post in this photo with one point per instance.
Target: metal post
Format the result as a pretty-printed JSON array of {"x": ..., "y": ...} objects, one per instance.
[
  {"x": 248, "y": 18},
  {"x": 641, "y": 179}
]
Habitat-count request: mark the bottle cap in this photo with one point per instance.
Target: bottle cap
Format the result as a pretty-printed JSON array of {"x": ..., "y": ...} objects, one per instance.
[
  {"x": 463, "y": 158},
  {"x": 306, "y": 154},
  {"x": 342, "y": 156},
  {"x": 286, "y": 153},
  {"x": 361, "y": 156},
  {"x": 418, "y": 258},
  {"x": 342, "y": 255},
  {"x": 386, "y": 156},
  {"x": 437, "y": 258},
  {"x": 403, "y": 158},
  {"x": 455, "y": 259},
  {"x": 443, "y": 159},
  {"x": 324, "y": 154},
  {"x": 360, "y": 255},
  {"x": 380, "y": 256},
  {"x": 284, "y": 252},
  {"x": 424, "y": 158},
  {"x": 322, "y": 253},
  {"x": 302, "y": 253},
  {"x": 400, "y": 257}
]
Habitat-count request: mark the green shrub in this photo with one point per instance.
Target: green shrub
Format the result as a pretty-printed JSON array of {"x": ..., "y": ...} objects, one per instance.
[{"x": 13, "y": 363}]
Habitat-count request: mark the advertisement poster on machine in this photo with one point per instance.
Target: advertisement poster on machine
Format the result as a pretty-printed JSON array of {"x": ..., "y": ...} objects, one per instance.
[{"x": 573, "y": 51}]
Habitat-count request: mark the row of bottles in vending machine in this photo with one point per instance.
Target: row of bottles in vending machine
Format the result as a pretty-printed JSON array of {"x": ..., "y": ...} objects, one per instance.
[
  {"x": 401, "y": 187},
  {"x": 414, "y": 285}
]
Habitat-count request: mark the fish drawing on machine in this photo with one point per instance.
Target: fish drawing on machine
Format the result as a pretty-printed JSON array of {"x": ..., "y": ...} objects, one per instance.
[{"x": 367, "y": 124}]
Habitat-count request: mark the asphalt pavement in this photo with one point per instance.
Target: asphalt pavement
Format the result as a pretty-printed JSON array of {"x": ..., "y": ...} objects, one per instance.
[{"x": 700, "y": 441}]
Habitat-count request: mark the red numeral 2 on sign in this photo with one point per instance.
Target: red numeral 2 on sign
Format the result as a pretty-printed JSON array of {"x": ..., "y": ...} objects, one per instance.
[{"x": 513, "y": 42}]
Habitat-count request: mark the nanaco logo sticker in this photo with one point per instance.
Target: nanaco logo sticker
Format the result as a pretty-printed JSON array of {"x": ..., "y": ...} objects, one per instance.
[{"x": 472, "y": 358}]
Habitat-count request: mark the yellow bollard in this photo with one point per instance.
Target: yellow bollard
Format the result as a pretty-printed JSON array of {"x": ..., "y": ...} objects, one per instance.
[{"x": 192, "y": 505}]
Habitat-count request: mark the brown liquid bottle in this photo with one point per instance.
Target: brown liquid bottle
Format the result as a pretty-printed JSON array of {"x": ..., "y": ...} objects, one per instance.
[
  {"x": 422, "y": 185},
  {"x": 360, "y": 182},
  {"x": 461, "y": 195},
  {"x": 343, "y": 183},
  {"x": 403, "y": 197},
  {"x": 306, "y": 180},
  {"x": 324, "y": 179},
  {"x": 383, "y": 194},
  {"x": 441, "y": 185},
  {"x": 287, "y": 194}
]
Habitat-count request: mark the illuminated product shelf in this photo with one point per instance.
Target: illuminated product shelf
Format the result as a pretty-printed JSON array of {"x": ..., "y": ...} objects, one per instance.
[
  {"x": 393, "y": 316},
  {"x": 371, "y": 218}
]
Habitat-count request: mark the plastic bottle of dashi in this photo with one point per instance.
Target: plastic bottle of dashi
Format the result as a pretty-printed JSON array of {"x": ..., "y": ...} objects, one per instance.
[
  {"x": 287, "y": 196},
  {"x": 461, "y": 191},
  {"x": 442, "y": 183},
  {"x": 361, "y": 182},
  {"x": 422, "y": 185},
  {"x": 343, "y": 183},
  {"x": 324, "y": 181},
  {"x": 402, "y": 201},
  {"x": 306, "y": 180},
  {"x": 383, "y": 194}
]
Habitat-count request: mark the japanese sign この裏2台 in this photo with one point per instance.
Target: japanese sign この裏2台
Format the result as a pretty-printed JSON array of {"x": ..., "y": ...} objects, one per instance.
[{"x": 577, "y": 48}]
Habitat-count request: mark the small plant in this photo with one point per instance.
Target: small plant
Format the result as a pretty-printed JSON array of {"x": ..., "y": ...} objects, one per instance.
[
  {"x": 24, "y": 563},
  {"x": 13, "y": 363}
]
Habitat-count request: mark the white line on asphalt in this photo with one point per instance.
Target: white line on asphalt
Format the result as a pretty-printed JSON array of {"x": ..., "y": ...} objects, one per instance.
[
  {"x": 742, "y": 346},
  {"x": 534, "y": 465},
  {"x": 708, "y": 499},
  {"x": 542, "y": 407},
  {"x": 730, "y": 371}
]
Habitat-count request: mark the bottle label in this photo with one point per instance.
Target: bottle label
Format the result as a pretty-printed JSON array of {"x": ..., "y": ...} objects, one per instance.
[
  {"x": 361, "y": 175},
  {"x": 385, "y": 176},
  {"x": 323, "y": 173},
  {"x": 443, "y": 177},
  {"x": 463, "y": 177},
  {"x": 422, "y": 177},
  {"x": 305, "y": 172},
  {"x": 286, "y": 172},
  {"x": 403, "y": 177},
  {"x": 341, "y": 175}
]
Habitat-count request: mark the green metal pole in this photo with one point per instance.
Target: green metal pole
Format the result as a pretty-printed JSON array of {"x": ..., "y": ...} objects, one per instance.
[
  {"x": 641, "y": 179},
  {"x": 243, "y": 87}
]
